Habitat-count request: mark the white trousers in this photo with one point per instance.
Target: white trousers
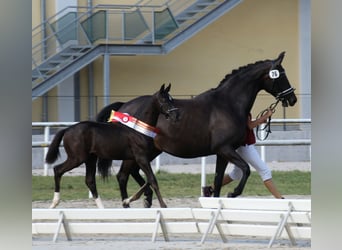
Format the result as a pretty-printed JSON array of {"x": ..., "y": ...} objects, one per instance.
[{"x": 252, "y": 157}]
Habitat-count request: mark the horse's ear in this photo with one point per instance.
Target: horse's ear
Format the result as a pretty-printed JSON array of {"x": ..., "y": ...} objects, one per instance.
[
  {"x": 162, "y": 88},
  {"x": 168, "y": 88},
  {"x": 279, "y": 59}
]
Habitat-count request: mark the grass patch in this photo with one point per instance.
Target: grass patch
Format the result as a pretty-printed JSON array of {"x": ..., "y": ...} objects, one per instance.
[{"x": 171, "y": 185}]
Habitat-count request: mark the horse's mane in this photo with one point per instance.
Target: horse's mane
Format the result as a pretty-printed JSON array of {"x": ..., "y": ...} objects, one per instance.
[{"x": 239, "y": 70}]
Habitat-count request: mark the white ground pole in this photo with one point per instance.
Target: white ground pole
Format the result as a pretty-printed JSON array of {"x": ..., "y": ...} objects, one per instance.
[
  {"x": 203, "y": 175},
  {"x": 46, "y": 139}
]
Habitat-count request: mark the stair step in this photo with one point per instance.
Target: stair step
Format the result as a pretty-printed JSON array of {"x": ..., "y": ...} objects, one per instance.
[
  {"x": 56, "y": 62},
  {"x": 205, "y": 5},
  {"x": 194, "y": 12},
  {"x": 36, "y": 77},
  {"x": 62, "y": 60},
  {"x": 166, "y": 28},
  {"x": 46, "y": 69},
  {"x": 69, "y": 54},
  {"x": 201, "y": 8},
  {"x": 81, "y": 48},
  {"x": 209, "y": 1},
  {"x": 185, "y": 18}
]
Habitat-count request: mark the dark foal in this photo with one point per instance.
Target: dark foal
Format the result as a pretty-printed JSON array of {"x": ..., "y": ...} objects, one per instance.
[{"x": 85, "y": 141}]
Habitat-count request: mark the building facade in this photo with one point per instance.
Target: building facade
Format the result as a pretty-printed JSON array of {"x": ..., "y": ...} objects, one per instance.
[{"x": 251, "y": 31}]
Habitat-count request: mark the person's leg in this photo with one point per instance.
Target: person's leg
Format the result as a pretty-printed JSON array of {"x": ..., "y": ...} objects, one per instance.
[
  {"x": 251, "y": 155},
  {"x": 226, "y": 179},
  {"x": 272, "y": 188}
]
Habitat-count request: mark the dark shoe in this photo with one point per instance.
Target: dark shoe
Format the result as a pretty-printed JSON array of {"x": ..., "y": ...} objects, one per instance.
[{"x": 208, "y": 191}]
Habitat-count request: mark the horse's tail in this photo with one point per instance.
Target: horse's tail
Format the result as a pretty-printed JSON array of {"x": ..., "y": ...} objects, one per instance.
[
  {"x": 53, "y": 151},
  {"x": 104, "y": 113},
  {"x": 103, "y": 166}
]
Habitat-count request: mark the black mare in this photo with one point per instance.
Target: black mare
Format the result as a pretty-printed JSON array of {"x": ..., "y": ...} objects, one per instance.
[
  {"x": 85, "y": 141},
  {"x": 213, "y": 122}
]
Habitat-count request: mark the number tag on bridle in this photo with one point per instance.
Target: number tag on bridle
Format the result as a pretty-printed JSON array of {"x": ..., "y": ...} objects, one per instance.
[{"x": 274, "y": 74}]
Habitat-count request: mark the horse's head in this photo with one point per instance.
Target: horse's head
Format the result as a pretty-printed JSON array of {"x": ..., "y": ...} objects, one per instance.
[
  {"x": 277, "y": 84},
  {"x": 166, "y": 105}
]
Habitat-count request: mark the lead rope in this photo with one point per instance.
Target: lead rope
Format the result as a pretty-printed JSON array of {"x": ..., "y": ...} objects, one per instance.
[{"x": 266, "y": 127}]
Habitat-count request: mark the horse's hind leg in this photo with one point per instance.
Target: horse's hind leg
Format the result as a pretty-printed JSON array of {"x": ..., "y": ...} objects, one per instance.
[
  {"x": 90, "y": 179},
  {"x": 245, "y": 174},
  {"x": 59, "y": 171},
  {"x": 236, "y": 159}
]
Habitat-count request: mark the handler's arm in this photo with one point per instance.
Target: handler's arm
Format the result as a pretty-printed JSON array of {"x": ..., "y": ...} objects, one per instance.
[{"x": 252, "y": 124}]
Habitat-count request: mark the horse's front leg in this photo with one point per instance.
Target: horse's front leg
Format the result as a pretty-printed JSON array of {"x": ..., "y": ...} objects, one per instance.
[
  {"x": 151, "y": 179},
  {"x": 131, "y": 167},
  {"x": 135, "y": 196},
  {"x": 140, "y": 180},
  {"x": 221, "y": 165},
  {"x": 122, "y": 177}
]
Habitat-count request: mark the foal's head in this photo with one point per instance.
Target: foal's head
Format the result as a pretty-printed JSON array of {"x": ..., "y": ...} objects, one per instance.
[
  {"x": 165, "y": 101},
  {"x": 277, "y": 84}
]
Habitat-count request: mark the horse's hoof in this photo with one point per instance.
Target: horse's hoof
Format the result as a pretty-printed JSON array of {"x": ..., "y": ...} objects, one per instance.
[
  {"x": 231, "y": 195},
  {"x": 125, "y": 203},
  {"x": 54, "y": 204},
  {"x": 147, "y": 204}
]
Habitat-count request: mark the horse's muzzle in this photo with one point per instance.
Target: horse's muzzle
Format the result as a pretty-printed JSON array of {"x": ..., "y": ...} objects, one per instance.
[{"x": 290, "y": 99}]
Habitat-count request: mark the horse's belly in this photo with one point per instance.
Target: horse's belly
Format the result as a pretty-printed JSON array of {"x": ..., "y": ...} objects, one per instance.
[
  {"x": 113, "y": 153},
  {"x": 183, "y": 149}
]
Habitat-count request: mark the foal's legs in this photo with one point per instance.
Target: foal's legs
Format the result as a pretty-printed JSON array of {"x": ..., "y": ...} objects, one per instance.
[
  {"x": 131, "y": 167},
  {"x": 141, "y": 181},
  {"x": 90, "y": 179},
  {"x": 151, "y": 180},
  {"x": 122, "y": 177}
]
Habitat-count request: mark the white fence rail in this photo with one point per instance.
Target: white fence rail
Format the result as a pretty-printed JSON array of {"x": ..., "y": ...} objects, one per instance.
[
  {"x": 255, "y": 217},
  {"x": 273, "y": 219},
  {"x": 298, "y": 142}
]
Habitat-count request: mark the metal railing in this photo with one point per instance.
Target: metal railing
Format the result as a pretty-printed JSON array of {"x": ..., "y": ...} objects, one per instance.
[
  {"x": 295, "y": 142},
  {"x": 148, "y": 22}
]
